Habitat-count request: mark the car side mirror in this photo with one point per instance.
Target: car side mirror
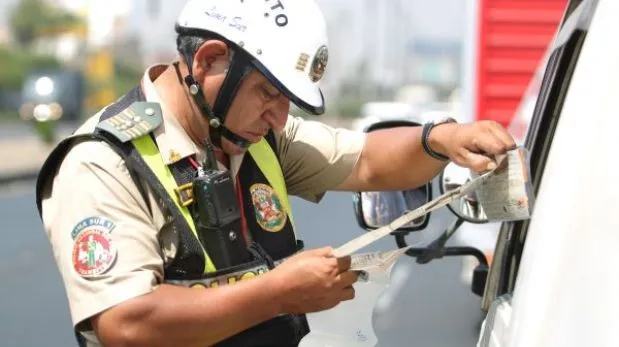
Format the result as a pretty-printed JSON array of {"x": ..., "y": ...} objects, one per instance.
[
  {"x": 379, "y": 208},
  {"x": 468, "y": 206}
]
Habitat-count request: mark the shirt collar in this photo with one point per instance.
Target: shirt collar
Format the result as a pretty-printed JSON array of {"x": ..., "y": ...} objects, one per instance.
[{"x": 172, "y": 140}]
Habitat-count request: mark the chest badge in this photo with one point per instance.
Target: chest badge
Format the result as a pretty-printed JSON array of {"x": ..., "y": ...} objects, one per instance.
[
  {"x": 174, "y": 156},
  {"x": 268, "y": 208}
]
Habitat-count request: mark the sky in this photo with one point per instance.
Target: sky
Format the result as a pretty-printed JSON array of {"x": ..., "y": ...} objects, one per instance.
[
  {"x": 354, "y": 30},
  {"x": 436, "y": 18},
  {"x": 5, "y": 5}
]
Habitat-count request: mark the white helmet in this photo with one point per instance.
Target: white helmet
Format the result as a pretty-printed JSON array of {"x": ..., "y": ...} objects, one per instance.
[{"x": 286, "y": 40}]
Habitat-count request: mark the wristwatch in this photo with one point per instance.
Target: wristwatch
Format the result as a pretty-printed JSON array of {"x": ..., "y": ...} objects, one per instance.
[{"x": 425, "y": 134}]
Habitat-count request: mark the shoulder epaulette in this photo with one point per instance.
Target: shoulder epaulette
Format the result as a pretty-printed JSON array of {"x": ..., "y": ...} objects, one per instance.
[{"x": 133, "y": 122}]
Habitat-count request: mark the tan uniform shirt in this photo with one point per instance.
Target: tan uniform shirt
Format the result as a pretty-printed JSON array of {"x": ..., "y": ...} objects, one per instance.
[{"x": 108, "y": 247}]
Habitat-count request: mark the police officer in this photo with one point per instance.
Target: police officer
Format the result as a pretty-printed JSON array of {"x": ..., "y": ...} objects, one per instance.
[{"x": 168, "y": 211}]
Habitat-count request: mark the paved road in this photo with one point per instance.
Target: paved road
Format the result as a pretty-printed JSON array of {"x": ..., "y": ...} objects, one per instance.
[{"x": 425, "y": 306}]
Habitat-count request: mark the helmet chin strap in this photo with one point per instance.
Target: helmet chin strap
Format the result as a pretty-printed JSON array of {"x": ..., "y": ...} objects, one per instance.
[{"x": 216, "y": 117}]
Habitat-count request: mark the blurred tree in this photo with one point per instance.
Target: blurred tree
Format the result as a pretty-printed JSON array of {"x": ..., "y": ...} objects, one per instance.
[{"x": 31, "y": 19}]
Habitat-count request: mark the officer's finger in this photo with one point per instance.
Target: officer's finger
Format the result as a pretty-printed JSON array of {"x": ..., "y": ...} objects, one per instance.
[
  {"x": 343, "y": 263},
  {"x": 488, "y": 143},
  {"x": 502, "y": 135},
  {"x": 348, "y": 293},
  {"x": 347, "y": 278},
  {"x": 478, "y": 162}
]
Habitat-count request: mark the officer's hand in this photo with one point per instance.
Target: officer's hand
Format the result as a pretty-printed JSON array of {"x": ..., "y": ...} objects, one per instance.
[
  {"x": 473, "y": 145},
  {"x": 314, "y": 281}
]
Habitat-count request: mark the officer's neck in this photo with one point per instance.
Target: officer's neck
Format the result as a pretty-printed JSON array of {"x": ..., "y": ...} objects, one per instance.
[{"x": 222, "y": 157}]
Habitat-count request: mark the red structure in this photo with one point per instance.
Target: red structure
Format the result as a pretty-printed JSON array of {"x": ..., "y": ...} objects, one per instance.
[{"x": 513, "y": 37}]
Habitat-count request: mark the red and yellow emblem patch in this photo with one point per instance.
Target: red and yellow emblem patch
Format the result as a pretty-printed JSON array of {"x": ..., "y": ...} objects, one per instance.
[
  {"x": 93, "y": 250},
  {"x": 268, "y": 208}
]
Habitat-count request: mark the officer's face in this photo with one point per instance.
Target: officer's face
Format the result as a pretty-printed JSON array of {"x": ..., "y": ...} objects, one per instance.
[{"x": 257, "y": 108}]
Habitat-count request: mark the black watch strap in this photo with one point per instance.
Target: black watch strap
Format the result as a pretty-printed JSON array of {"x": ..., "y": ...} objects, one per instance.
[{"x": 425, "y": 135}]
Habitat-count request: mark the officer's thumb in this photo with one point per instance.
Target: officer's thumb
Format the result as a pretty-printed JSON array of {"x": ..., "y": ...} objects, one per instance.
[{"x": 323, "y": 251}]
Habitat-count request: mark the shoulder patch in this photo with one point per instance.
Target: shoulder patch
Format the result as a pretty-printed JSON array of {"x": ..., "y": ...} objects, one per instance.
[
  {"x": 94, "y": 252},
  {"x": 133, "y": 122}
]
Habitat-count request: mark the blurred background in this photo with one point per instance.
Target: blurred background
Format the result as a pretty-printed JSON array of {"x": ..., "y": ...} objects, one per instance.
[
  {"x": 379, "y": 50},
  {"x": 62, "y": 60}
]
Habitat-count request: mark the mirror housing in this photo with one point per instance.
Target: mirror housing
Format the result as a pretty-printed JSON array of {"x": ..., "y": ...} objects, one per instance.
[
  {"x": 466, "y": 207},
  {"x": 480, "y": 274},
  {"x": 376, "y": 209}
]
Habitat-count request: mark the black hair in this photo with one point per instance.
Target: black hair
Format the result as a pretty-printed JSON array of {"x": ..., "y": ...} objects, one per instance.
[{"x": 188, "y": 45}]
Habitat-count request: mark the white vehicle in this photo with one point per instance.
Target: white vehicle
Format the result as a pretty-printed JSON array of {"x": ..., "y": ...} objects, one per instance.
[{"x": 552, "y": 281}]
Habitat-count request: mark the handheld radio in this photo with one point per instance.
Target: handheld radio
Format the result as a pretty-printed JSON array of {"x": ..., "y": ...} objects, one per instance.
[{"x": 218, "y": 218}]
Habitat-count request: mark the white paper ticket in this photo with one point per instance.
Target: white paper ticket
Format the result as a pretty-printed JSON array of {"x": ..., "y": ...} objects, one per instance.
[
  {"x": 508, "y": 194},
  {"x": 376, "y": 260}
]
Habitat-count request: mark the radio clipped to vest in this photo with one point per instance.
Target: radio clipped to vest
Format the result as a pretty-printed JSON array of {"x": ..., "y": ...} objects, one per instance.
[{"x": 217, "y": 214}]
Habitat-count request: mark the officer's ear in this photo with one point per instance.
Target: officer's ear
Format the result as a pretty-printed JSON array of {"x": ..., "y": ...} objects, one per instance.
[{"x": 211, "y": 59}]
